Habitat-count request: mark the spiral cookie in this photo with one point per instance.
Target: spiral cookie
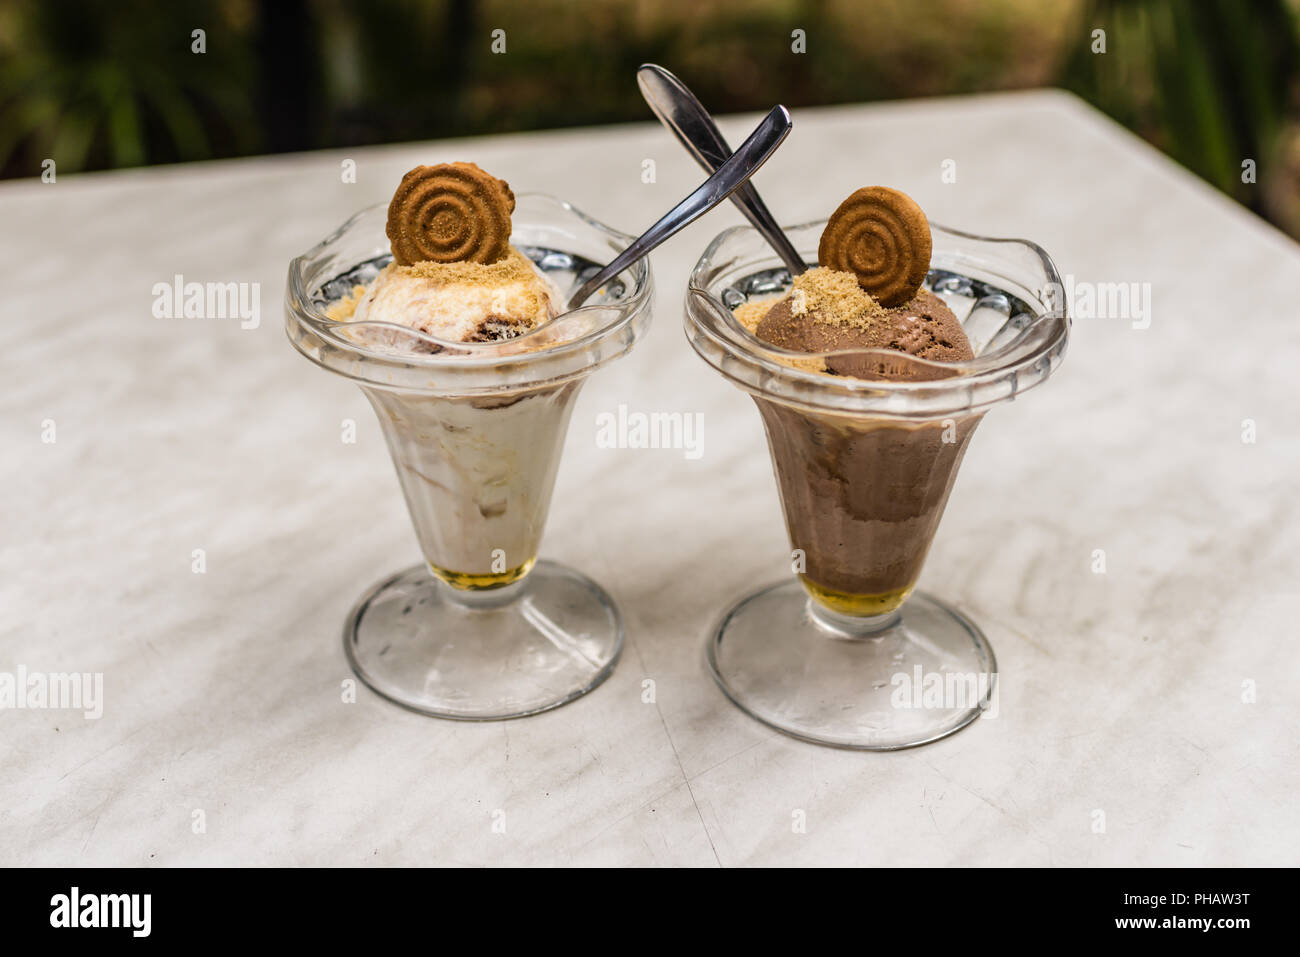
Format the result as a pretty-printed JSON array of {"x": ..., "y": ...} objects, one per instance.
[
  {"x": 453, "y": 212},
  {"x": 882, "y": 236}
]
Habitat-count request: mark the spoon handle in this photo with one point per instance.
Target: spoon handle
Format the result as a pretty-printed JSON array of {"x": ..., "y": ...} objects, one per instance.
[
  {"x": 679, "y": 109},
  {"x": 734, "y": 172}
]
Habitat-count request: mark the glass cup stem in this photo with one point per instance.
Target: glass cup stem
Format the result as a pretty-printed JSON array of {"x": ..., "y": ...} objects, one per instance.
[{"x": 851, "y": 626}]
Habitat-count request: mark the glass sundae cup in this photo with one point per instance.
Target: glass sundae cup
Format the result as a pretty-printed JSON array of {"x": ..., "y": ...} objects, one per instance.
[
  {"x": 846, "y": 653},
  {"x": 482, "y": 629}
]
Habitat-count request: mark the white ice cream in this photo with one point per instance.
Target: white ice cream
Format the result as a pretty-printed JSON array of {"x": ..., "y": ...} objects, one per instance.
[{"x": 457, "y": 302}]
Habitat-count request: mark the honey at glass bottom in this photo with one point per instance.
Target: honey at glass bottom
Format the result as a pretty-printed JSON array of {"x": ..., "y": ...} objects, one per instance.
[
  {"x": 475, "y": 581},
  {"x": 848, "y": 603}
]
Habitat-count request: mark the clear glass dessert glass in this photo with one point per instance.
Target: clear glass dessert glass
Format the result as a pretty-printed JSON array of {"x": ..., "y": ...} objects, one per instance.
[
  {"x": 846, "y": 653},
  {"x": 482, "y": 629}
]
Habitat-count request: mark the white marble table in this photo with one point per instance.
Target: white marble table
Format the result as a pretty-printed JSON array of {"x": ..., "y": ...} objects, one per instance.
[{"x": 224, "y": 738}]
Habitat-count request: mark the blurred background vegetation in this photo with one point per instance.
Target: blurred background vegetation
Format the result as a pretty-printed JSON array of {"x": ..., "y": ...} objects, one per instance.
[{"x": 101, "y": 84}]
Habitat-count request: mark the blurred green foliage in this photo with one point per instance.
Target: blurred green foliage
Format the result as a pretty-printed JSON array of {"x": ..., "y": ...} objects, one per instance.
[
  {"x": 1212, "y": 82},
  {"x": 105, "y": 84},
  {"x": 98, "y": 84}
]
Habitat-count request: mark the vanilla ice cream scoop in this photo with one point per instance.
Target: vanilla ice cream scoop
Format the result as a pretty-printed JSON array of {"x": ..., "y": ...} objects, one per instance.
[
  {"x": 454, "y": 274},
  {"x": 457, "y": 302}
]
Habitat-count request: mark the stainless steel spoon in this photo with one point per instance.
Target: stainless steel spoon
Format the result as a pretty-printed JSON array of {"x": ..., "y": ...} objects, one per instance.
[
  {"x": 733, "y": 173},
  {"x": 679, "y": 110}
]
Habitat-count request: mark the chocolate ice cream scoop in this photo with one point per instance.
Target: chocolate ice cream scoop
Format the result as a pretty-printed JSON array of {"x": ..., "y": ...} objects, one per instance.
[
  {"x": 927, "y": 328},
  {"x": 924, "y": 327},
  {"x": 826, "y": 311}
]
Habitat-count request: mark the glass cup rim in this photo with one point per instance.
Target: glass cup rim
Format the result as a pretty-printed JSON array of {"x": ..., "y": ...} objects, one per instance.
[
  {"x": 519, "y": 361},
  {"x": 763, "y": 369}
]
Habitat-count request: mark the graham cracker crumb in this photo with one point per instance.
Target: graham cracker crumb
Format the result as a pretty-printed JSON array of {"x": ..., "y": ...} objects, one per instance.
[
  {"x": 835, "y": 296},
  {"x": 831, "y": 295},
  {"x": 750, "y": 314},
  {"x": 342, "y": 310},
  {"x": 513, "y": 267},
  {"x": 811, "y": 364}
]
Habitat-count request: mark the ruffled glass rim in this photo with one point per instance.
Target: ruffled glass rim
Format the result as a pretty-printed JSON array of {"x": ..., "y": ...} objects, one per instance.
[
  {"x": 574, "y": 343},
  {"x": 1017, "y": 266}
]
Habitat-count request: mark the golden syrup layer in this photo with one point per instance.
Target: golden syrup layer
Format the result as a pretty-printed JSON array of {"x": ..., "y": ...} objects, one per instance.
[
  {"x": 468, "y": 581},
  {"x": 847, "y": 603}
]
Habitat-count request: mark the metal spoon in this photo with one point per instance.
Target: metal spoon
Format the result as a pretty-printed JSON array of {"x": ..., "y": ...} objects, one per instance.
[
  {"x": 679, "y": 110},
  {"x": 729, "y": 176}
]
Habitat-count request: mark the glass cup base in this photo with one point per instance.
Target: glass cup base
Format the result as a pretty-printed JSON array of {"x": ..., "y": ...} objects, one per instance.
[
  {"x": 895, "y": 681},
  {"x": 489, "y": 655}
]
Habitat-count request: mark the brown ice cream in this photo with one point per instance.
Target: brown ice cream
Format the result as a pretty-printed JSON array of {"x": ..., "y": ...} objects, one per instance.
[
  {"x": 826, "y": 311},
  {"x": 862, "y": 499},
  {"x": 862, "y": 496}
]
